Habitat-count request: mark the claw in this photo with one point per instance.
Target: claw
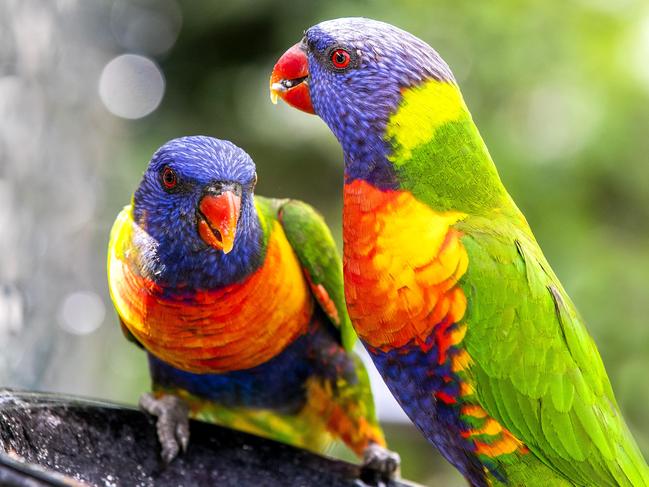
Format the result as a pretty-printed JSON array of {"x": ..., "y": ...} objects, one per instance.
[
  {"x": 380, "y": 464},
  {"x": 182, "y": 434},
  {"x": 172, "y": 424}
]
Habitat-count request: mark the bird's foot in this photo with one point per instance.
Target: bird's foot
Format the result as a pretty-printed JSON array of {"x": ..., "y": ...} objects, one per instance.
[
  {"x": 380, "y": 465},
  {"x": 172, "y": 423}
]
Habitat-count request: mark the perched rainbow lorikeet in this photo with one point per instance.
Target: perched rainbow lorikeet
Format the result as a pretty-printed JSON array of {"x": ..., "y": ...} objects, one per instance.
[
  {"x": 238, "y": 300},
  {"x": 445, "y": 284}
]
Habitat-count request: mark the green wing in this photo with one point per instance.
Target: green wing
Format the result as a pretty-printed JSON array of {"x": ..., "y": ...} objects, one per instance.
[
  {"x": 314, "y": 246},
  {"x": 536, "y": 369}
]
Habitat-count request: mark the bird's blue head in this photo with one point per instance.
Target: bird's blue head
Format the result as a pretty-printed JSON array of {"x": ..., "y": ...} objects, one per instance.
[
  {"x": 351, "y": 72},
  {"x": 196, "y": 201}
]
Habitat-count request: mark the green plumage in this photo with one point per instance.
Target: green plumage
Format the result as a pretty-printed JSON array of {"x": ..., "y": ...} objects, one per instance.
[
  {"x": 535, "y": 368},
  {"x": 314, "y": 246}
]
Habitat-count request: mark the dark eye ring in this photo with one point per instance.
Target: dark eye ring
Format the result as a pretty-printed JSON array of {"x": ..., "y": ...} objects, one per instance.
[
  {"x": 169, "y": 178},
  {"x": 340, "y": 58}
]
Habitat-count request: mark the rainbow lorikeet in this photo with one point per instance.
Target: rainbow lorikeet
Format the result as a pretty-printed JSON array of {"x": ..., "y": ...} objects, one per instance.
[
  {"x": 238, "y": 300},
  {"x": 445, "y": 284}
]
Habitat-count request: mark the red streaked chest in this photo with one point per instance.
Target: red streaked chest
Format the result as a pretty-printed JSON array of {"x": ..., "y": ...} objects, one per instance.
[
  {"x": 402, "y": 263},
  {"x": 232, "y": 328}
]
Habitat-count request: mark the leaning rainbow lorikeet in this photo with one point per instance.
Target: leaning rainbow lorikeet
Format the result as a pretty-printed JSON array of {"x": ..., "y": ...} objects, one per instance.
[
  {"x": 238, "y": 301},
  {"x": 444, "y": 281}
]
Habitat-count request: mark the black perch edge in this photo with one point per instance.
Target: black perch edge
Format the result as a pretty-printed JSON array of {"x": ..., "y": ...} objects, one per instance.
[{"x": 54, "y": 440}]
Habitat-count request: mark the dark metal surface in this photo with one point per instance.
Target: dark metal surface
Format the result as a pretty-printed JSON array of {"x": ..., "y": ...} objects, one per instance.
[{"x": 109, "y": 445}]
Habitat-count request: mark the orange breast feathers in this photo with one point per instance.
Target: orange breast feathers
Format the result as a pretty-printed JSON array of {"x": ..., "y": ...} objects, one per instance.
[
  {"x": 233, "y": 328},
  {"x": 402, "y": 263}
]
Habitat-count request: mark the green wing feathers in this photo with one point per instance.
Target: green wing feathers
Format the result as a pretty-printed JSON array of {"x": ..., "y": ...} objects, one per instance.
[
  {"x": 536, "y": 368},
  {"x": 314, "y": 246}
]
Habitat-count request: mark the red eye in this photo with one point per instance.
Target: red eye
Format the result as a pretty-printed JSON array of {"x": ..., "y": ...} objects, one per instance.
[
  {"x": 340, "y": 58},
  {"x": 169, "y": 178}
]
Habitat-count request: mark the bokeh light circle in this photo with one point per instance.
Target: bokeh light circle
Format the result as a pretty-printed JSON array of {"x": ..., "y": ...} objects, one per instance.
[
  {"x": 131, "y": 86},
  {"x": 81, "y": 312}
]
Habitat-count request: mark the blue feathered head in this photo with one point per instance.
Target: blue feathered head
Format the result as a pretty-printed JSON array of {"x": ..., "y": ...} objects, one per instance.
[
  {"x": 196, "y": 201},
  {"x": 352, "y": 72}
]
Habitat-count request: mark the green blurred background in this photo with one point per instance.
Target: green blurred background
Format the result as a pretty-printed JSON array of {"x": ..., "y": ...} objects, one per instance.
[{"x": 559, "y": 89}]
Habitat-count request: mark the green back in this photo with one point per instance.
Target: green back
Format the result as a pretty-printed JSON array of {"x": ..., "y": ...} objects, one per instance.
[
  {"x": 315, "y": 248},
  {"x": 536, "y": 368}
]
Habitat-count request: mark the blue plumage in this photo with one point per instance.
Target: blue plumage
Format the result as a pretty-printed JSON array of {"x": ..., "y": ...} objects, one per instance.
[
  {"x": 278, "y": 384},
  {"x": 366, "y": 101},
  {"x": 182, "y": 257},
  {"x": 440, "y": 423}
]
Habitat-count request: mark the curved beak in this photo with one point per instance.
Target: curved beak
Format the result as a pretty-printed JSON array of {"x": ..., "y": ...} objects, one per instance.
[
  {"x": 290, "y": 79},
  {"x": 218, "y": 215}
]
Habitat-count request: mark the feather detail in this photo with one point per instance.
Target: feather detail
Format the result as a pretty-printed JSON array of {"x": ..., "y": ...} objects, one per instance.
[{"x": 230, "y": 328}]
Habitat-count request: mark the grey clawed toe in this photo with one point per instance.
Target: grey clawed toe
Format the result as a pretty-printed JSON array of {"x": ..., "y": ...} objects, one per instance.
[
  {"x": 380, "y": 463},
  {"x": 172, "y": 423}
]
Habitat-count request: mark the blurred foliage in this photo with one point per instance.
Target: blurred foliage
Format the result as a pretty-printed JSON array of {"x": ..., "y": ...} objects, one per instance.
[{"x": 559, "y": 89}]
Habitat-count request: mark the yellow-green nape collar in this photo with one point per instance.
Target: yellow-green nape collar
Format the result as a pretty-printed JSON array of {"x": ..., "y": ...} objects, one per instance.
[{"x": 423, "y": 109}]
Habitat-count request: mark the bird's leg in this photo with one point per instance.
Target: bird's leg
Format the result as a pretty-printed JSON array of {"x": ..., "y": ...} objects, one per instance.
[
  {"x": 380, "y": 464},
  {"x": 172, "y": 423}
]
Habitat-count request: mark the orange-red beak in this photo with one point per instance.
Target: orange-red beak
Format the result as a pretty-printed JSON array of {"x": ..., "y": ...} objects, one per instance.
[
  {"x": 218, "y": 215},
  {"x": 290, "y": 79}
]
